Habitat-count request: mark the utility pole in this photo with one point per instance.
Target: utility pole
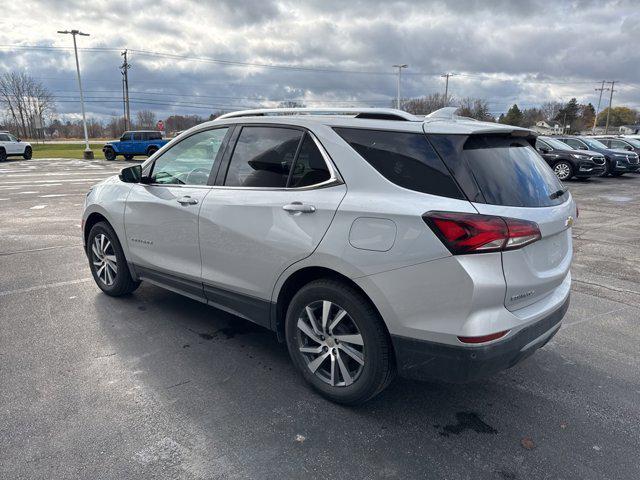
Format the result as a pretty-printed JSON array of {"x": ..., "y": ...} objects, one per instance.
[
  {"x": 125, "y": 69},
  {"x": 606, "y": 128},
  {"x": 446, "y": 85},
  {"x": 601, "y": 89},
  {"x": 88, "y": 154},
  {"x": 399, "y": 67}
]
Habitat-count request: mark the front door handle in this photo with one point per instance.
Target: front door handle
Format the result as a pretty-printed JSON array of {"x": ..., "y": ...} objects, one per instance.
[
  {"x": 299, "y": 207},
  {"x": 187, "y": 200}
]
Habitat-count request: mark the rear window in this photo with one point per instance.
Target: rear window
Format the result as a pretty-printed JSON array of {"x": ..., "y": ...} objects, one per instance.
[
  {"x": 406, "y": 159},
  {"x": 505, "y": 170}
]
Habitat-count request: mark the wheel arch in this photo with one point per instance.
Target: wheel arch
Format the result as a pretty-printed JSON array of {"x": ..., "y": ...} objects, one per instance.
[
  {"x": 91, "y": 220},
  {"x": 298, "y": 279}
]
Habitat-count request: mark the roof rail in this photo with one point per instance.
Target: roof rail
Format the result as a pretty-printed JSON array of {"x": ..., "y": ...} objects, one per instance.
[{"x": 370, "y": 113}]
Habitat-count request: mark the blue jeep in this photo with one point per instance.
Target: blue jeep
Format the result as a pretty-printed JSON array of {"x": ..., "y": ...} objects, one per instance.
[{"x": 142, "y": 142}]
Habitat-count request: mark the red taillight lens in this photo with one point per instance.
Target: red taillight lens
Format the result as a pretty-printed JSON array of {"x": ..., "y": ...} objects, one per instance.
[
  {"x": 474, "y": 233},
  {"x": 484, "y": 338}
]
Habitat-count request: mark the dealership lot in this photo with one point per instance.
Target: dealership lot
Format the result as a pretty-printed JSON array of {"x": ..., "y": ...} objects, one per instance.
[{"x": 159, "y": 385}]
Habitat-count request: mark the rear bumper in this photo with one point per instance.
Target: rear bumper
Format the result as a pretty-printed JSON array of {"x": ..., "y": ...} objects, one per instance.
[{"x": 425, "y": 360}]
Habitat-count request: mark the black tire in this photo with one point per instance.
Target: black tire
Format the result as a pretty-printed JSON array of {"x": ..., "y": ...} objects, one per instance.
[
  {"x": 151, "y": 151},
  {"x": 128, "y": 157},
  {"x": 609, "y": 169},
  {"x": 617, "y": 174},
  {"x": 563, "y": 170},
  {"x": 379, "y": 366},
  {"x": 123, "y": 283},
  {"x": 28, "y": 153},
  {"x": 3, "y": 155},
  {"x": 110, "y": 154}
]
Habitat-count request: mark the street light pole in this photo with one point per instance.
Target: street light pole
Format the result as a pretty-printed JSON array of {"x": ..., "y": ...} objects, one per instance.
[
  {"x": 88, "y": 154},
  {"x": 399, "y": 67}
]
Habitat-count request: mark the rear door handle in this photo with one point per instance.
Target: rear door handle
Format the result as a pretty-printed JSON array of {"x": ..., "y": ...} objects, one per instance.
[
  {"x": 299, "y": 207},
  {"x": 187, "y": 200}
]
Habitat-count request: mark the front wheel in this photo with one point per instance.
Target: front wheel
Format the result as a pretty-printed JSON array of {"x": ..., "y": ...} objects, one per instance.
[
  {"x": 109, "y": 154},
  {"x": 563, "y": 170},
  {"x": 28, "y": 153},
  {"x": 617, "y": 174},
  {"x": 108, "y": 263},
  {"x": 338, "y": 342},
  {"x": 151, "y": 151},
  {"x": 3, "y": 154}
]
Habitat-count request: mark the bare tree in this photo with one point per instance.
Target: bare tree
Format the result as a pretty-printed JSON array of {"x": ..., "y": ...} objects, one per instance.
[
  {"x": 475, "y": 108},
  {"x": 26, "y": 101},
  {"x": 291, "y": 104},
  {"x": 551, "y": 109},
  {"x": 427, "y": 104},
  {"x": 146, "y": 119}
]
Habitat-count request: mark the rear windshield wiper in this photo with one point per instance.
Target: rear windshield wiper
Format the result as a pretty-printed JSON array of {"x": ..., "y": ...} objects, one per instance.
[{"x": 558, "y": 193}]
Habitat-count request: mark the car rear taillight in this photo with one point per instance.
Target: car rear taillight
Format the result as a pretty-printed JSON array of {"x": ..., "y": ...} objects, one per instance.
[{"x": 464, "y": 233}]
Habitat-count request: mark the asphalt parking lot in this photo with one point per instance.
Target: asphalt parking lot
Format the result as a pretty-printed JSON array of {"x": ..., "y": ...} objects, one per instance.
[{"x": 157, "y": 385}]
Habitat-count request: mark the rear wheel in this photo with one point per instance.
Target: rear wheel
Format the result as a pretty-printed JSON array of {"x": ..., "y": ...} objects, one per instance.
[
  {"x": 28, "y": 153},
  {"x": 338, "y": 342},
  {"x": 108, "y": 263},
  {"x": 109, "y": 154},
  {"x": 617, "y": 174},
  {"x": 563, "y": 170},
  {"x": 151, "y": 151}
]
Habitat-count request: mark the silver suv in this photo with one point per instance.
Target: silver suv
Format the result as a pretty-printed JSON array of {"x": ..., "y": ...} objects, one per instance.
[{"x": 372, "y": 241}]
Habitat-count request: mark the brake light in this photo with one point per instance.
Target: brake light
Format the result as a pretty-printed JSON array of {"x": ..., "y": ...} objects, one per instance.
[{"x": 464, "y": 233}]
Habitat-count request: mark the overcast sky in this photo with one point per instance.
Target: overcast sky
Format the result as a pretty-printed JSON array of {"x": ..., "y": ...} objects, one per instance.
[{"x": 504, "y": 51}]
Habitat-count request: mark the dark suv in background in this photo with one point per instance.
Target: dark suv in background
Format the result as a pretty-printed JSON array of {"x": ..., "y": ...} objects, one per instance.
[
  {"x": 567, "y": 163},
  {"x": 619, "y": 162},
  {"x": 621, "y": 143}
]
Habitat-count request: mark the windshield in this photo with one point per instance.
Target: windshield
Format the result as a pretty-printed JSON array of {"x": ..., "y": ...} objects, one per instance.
[
  {"x": 593, "y": 143},
  {"x": 557, "y": 144}
]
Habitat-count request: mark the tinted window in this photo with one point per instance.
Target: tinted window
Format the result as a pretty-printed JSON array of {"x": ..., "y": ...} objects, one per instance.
[
  {"x": 263, "y": 157},
  {"x": 310, "y": 167},
  {"x": 617, "y": 144},
  {"x": 573, "y": 143},
  {"x": 125, "y": 137},
  {"x": 540, "y": 145},
  {"x": 154, "y": 136},
  {"x": 406, "y": 159},
  {"x": 4, "y": 137},
  {"x": 190, "y": 161},
  {"x": 508, "y": 171}
]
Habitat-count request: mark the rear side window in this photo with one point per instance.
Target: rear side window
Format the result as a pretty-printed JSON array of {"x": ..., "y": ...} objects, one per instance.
[
  {"x": 406, "y": 159},
  {"x": 507, "y": 171},
  {"x": 310, "y": 167},
  {"x": 154, "y": 136},
  {"x": 263, "y": 157}
]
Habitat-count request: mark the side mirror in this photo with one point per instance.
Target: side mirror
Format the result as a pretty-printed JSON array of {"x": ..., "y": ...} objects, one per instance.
[
  {"x": 131, "y": 174},
  {"x": 628, "y": 147},
  {"x": 544, "y": 149},
  {"x": 18, "y": 140},
  {"x": 582, "y": 147}
]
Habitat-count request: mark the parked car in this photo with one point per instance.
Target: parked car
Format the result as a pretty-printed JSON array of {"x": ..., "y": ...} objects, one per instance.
[
  {"x": 621, "y": 143},
  {"x": 567, "y": 163},
  {"x": 619, "y": 162},
  {"x": 374, "y": 243},
  {"x": 142, "y": 142},
  {"x": 11, "y": 146}
]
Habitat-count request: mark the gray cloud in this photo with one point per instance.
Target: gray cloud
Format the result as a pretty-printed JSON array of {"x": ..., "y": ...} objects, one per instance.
[{"x": 529, "y": 51}]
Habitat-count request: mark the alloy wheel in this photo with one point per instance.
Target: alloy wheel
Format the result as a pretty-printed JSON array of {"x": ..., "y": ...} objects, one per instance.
[
  {"x": 330, "y": 343},
  {"x": 562, "y": 170},
  {"x": 104, "y": 259}
]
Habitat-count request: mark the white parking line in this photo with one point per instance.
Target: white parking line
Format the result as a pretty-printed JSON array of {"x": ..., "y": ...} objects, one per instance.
[
  {"x": 38, "y": 207},
  {"x": 44, "y": 287}
]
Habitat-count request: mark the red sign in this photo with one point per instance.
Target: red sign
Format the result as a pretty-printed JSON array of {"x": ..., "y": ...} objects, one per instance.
[{"x": 160, "y": 125}]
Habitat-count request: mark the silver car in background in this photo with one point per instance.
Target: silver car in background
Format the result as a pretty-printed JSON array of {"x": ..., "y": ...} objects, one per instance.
[{"x": 372, "y": 241}]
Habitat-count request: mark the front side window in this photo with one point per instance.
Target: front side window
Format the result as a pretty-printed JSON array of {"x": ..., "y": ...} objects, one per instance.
[
  {"x": 263, "y": 157},
  {"x": 190, "y": 161},
  {"x": 619, "y": 145},
  {"x": 154, "y": 136},
  {"x": 406, "y": 159},
  {"x": 12, "y": 138},
  {"x": 575, "y": 144},
  {"x": 540, "y": 145},
  {"x": 594, "y": 143},
  {"x": 125, "y": 137}
]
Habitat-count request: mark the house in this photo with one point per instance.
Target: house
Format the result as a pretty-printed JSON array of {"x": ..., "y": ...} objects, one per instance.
[
  {"x": 545, "y": 128},
  {"x": 629, "y": 129}
]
